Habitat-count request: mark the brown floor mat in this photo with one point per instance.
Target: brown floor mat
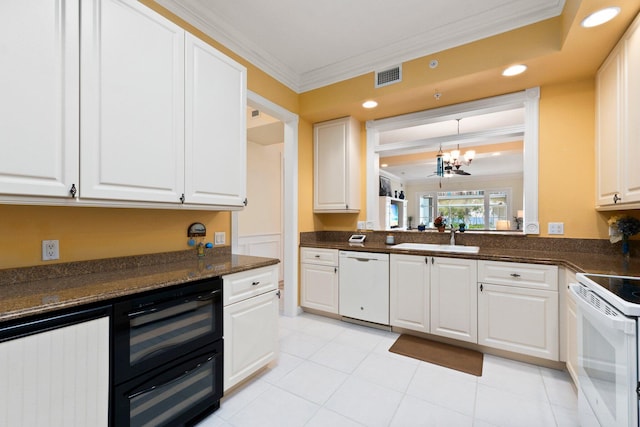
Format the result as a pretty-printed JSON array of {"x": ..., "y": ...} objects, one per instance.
[{"x": 460, "y": 359}]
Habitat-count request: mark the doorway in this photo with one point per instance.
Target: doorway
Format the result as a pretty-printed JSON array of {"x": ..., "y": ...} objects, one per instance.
[{"x": 262, "y": 239}]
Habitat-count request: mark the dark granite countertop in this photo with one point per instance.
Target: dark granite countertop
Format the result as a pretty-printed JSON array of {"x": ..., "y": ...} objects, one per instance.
[
  {"x": 575, "y": 254},
  {"x": 102, "y": 280}
]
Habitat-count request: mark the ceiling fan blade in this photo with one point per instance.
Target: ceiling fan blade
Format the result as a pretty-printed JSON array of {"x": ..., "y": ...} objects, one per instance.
[{"x": 461, "y": 172}]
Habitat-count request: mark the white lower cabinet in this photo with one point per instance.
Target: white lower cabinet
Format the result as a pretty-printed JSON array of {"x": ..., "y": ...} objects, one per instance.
[
  {"x": 250, "y": 324},
  {"x": 521, "y": 313},
  {"x": 57, "y": 378},
  {"x": 409, "y": 292},
  {"x": 434, "y": 295},
  {"x": 454, "y": 299},
  {"x": 319, "y": 282}
]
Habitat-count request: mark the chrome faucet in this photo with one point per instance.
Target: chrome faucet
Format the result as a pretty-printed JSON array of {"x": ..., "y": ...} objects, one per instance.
[{"x": 452, "y": 242}]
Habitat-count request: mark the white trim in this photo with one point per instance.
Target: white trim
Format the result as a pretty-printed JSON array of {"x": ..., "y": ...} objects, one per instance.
[
  {"x": 529, "y": 98},
  {"x": 290, "y": 200},
  {"x": 266, "y": 245}
]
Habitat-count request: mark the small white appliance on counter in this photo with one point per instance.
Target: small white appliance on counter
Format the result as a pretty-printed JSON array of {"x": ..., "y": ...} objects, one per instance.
[
  {"x": 364, "y": 286},
  {"x": 608, "y": 384}
]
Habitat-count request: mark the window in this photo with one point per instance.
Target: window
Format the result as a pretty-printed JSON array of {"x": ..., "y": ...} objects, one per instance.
[{"x": 477, "y": 209}]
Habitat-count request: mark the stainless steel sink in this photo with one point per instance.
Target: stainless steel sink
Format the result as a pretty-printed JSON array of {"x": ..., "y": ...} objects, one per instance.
[{"x": 437, "y": 248}]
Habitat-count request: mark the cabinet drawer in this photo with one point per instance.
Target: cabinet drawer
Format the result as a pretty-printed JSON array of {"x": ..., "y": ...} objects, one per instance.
[
  {"x": 533, "y": 276},
  {"x": 319, "y": 256},
  {"x": 246, "y": 284}
]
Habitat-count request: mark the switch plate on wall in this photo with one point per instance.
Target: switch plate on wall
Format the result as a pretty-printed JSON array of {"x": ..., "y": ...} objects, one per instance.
[
  {"x": 556, "y": 228},
  {"x": 220, "y": 237},
  {"x": 50, "y": 250}
]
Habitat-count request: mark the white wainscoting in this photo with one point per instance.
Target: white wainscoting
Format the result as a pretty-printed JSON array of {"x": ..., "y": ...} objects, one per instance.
[
  {"x": 57, "y": 378},
  {"x": 265, "y": 245}
]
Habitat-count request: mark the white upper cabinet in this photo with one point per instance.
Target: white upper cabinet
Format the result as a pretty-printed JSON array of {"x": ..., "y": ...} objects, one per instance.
[
  {"x": 132, "y": 101},
  {"x": 631, "y": 171},
  {"x": 116, "y": 105},
  {"x": 617, "y": 126},
  {"x": 336, "y": 161},
  {"x": 215, "y": 128},
  {"x": 39, "y": 102}
]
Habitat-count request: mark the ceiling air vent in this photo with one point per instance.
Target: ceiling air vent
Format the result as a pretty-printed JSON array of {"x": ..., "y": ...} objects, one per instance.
[{"x": 389, "y": 76}]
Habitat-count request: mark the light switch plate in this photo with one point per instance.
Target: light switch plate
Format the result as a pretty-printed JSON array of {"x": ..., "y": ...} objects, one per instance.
[
  {"x": 556, "y": 228},
  {"x": 370, "y": 225},
  {"x": 362, "y": 225},
  {"x": 220, "y": 238}
]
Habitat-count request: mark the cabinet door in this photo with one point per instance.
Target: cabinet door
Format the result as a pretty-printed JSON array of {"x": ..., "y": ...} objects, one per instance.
[
  {"x": 336, "y": 166},
  {"x": 132, "y": 100},
  {"x": 519, "y": 319},
  {"x": 454, "y": 299},
  {"x": 608, "y": 129},
  {"x": 631, "y": 150},
  {"x": 63, "y": 380},
  {"x": 40, "y": 99},
  {"x": 250, "y": 336},
  {"x": 215, "y": 127},
  {"x": 409, "y": 292},
  {"x": 319, "y": 287}
]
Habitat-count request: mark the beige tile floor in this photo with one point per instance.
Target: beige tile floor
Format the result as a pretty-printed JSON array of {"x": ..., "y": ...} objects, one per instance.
[{"x": 334, "y": 373}]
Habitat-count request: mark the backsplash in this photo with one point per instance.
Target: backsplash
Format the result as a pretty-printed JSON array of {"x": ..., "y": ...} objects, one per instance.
[{"x": 484, "y": 240}]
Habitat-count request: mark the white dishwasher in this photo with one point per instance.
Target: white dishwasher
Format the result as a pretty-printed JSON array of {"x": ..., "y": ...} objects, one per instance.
[{"x": 364, "y": 286}]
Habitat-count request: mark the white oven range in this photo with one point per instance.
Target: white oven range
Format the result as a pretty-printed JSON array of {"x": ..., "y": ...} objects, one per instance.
[{"x": 608, "y": 308}]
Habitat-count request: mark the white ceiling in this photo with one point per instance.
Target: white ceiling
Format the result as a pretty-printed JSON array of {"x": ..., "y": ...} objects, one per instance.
[
  {"x": 263, "y": 129},
  {"x": 306, "y": 45}
]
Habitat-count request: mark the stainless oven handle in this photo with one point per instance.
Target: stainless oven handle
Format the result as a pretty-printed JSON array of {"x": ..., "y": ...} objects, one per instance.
[
  {"x": 619, "y": 322},
  {"x": 179, "y": 377}
]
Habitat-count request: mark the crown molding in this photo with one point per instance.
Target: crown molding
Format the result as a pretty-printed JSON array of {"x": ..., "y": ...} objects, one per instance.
[{"x": 435, "y": 39}]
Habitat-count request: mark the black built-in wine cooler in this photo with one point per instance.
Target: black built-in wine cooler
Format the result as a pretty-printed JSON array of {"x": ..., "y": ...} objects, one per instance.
[{"x": 168, "y": 355}]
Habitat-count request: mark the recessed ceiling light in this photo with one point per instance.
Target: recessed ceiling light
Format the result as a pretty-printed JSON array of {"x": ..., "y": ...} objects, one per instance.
[
  {"x": 370, "y": 104},
  {"x": 600, "y": 17},
  {"x": 514, "y": 70}
]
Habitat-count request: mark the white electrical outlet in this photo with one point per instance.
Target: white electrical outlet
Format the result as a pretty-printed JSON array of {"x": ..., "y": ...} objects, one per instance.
[
  {"x": 556, "y": 228},
  {"x": 362, "y": 225},
  {"x": 370, "y": 225},
  {"x": 50, "y": 250},
  {"x": 220, "y": 237}
]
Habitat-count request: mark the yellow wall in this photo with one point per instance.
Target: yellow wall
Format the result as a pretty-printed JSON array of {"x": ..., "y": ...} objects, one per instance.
[
  {"x": 94, "y": 233},
  {"x": 567, "y": 160},
  {"x": 566, "y": 166},
  {"x": 566, "y": 152}
]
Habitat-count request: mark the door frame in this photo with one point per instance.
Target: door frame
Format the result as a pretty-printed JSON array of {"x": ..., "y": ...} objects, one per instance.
[{"x": 290, "y": 200}]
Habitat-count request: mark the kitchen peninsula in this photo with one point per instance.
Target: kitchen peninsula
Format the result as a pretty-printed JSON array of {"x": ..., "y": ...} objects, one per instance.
[{"x": 122, "y": 336}]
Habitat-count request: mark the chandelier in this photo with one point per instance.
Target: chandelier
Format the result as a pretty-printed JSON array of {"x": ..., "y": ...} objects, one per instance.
[{"x": 449, "y": 164}]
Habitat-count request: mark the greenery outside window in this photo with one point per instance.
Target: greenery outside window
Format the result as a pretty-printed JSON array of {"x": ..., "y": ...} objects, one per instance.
[{"x": 477, "y": 209}]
